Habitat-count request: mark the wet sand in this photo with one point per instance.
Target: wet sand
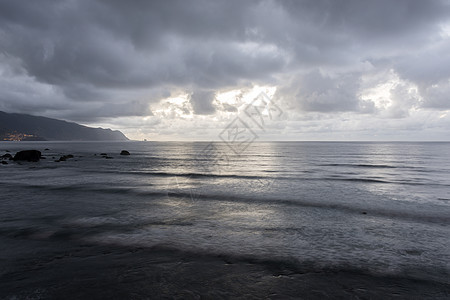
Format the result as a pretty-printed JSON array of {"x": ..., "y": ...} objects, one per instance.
[{"x": 59, "y": 268}]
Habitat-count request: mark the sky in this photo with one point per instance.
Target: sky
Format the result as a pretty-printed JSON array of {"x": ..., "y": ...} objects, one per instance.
[{"x": 185, "y": 70}]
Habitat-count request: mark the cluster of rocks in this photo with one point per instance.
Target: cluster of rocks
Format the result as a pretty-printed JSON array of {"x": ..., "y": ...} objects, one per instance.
[
  {"x": 105, "y": 155},
  {"x": 35, "y": 156},
  {"x": 6, "y": 157},
  {"x": 26, "y": 155}
]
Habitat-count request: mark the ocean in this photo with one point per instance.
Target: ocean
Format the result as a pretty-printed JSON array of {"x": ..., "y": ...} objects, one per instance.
[{"x": 201, "y": 220}]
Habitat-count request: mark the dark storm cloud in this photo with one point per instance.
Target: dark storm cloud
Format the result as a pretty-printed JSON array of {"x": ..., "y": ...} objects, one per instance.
[
  {"x": 76, "y": 57},
  {"x": 381, "y": 19},
  {"x": 113, "y": 44}
]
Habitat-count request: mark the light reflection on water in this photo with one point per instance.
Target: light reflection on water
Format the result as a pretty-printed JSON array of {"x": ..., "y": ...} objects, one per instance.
[{"x": 300, "y": 200}]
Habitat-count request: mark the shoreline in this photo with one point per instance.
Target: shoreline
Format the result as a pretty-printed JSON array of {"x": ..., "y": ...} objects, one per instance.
[{"x": 74, "y": 270}]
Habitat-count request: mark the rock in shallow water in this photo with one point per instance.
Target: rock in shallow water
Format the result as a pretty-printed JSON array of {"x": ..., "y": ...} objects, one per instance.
[
  {"x": 64, "y": 158},
  {"x": 28, "y": 155},
  {"x": 124, "y": 152}
]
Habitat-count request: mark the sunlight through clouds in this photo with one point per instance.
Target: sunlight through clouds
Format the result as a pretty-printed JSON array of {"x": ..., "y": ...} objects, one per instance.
[{"x": 163, "y": 70}]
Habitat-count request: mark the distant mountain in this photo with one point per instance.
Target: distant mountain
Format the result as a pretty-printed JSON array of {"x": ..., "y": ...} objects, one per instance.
[{"x": 21, "y": 127}]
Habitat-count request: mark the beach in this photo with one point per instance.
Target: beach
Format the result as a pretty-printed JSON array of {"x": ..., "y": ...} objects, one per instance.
[{"x": 196, "y": 220}]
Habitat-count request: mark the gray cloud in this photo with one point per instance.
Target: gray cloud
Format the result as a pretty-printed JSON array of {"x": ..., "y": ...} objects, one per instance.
[
  {"x": 321, "y": 93},
  {"x": 402, "y": 101},
  {"x": 202, "y": 102},
  {"x": 82, "y": 60},
  {"x": 437, "y": 96}
]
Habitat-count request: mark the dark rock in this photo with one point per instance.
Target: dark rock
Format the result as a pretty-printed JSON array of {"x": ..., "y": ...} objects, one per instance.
[
  {"x": 4, "y": 162},
  {"x": 124, "y": 152},
  {"x": 7, "y": 151},
  {"x": 65, "y": 157},
  {"x": 7, "y": 155},
  {"x": 108, "y": 157},
  {"x": 46, "y": 149},
  {"x": 28, "y": 155},
  {"x": 364, "y": 213},
  {"x": 104, "y": 154}
]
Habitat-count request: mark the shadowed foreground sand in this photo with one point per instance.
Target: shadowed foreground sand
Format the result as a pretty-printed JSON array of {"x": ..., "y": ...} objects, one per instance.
[{"x": 61, "y": 269}]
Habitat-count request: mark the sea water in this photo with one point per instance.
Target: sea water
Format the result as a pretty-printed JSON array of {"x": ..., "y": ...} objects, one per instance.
[{"x": 379, "y": 207}]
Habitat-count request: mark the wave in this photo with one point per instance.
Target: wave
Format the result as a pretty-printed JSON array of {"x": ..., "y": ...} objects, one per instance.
[
  {"x": 295, "y": 179},
  {"x": 196, "y": 195},
  {"x": 444, "y": 199},
  {"x": 377, "y": 166},
  {"x": 268, "y": 177},
  {"x": 187, "y": 174},
  {"x": 370, "y": 180},
  {"x": 358, "y": 165}
]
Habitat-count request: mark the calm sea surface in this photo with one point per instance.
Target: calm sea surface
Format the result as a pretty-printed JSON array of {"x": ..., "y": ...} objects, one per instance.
[{"x": 380, "y": 208}]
